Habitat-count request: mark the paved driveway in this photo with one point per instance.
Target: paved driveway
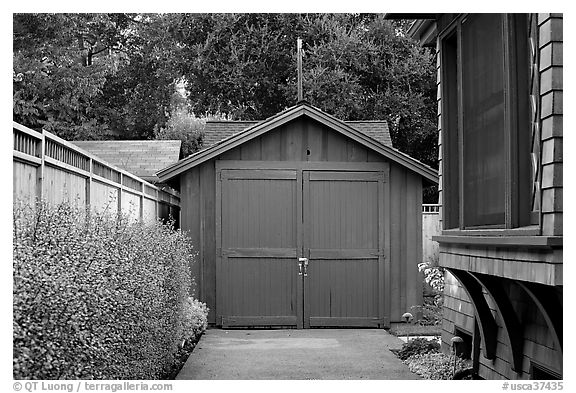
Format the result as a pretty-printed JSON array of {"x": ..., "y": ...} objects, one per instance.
[{"x": 296, "y": 354}]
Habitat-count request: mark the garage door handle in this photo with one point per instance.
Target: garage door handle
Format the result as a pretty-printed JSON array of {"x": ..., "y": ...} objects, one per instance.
[{"x": 305, "y": 262}]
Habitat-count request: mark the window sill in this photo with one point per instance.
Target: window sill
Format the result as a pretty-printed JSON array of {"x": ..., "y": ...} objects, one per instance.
[
  {"x": 533, "y": 230},
  {"x": 500, "y": 241}
]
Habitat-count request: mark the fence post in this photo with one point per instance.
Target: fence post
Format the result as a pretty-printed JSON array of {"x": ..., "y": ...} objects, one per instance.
[
  {"x": 89, "y": 184},
  {"x": 141, "y": 201},
  {"x": 40, "y": 170},
  {"x": 120, "y": 194}
]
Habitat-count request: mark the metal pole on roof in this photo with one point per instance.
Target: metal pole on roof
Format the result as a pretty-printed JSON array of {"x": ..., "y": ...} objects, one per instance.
[{"x": 299, "y": 56}]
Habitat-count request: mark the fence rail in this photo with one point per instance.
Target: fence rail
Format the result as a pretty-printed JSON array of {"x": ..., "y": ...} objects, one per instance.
[
  {"x": 50, "y": 168},
  {"x": 430, "y": 208}
]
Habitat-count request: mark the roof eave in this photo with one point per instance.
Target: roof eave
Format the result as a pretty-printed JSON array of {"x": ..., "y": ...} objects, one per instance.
[
  {"x": 424, "y": 31},
  {"x": 229, "y": 143},
  {"x": 253, "y": 132}
]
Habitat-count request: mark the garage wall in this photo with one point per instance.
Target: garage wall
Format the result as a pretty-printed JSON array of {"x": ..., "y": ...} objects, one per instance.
[{"x": 307, "y": 140}]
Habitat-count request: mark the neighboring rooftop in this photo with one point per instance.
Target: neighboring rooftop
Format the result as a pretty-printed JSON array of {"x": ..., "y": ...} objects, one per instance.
[
  {"x": 142, "y": 158},
  {"x": 218, "y": 130}
]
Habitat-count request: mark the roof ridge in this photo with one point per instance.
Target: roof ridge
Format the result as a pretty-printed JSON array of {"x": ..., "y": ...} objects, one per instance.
[
  {"x": 287, "y": 115},
  {"x": 129, "y": 140},
  {"x": 233, "y": 121},
  {"x": 365, "y": 121},
  {"x": 258, "y": 121}
]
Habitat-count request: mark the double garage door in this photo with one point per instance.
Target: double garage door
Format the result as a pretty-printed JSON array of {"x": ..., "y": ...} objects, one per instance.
[{"x": 301, "y": 247}]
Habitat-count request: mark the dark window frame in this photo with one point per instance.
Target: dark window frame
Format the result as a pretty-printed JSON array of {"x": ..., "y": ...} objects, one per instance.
[
  {"x": 541, "y": 372},
  {"x": 518, "y": 183}
]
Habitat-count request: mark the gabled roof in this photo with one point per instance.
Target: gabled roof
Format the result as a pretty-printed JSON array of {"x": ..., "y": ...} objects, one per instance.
[
  {"x": 375, "y": 129},
  {"x": 142, "y": 158},
  {"x": 301, "y": 109},
  {"x": 218, "y": 130}
]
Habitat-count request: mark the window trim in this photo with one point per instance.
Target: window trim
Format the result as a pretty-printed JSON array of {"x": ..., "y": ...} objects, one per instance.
[{"x": 517, "y": 209}]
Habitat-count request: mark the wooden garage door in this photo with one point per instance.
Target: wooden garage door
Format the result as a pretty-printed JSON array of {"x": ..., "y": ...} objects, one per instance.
[
  {"x": 270, "y": 219},
  {"x": 343, "y": 240},
  {"x": 257, "y": 275}
]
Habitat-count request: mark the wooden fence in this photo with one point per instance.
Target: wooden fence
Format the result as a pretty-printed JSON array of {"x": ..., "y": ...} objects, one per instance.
[
  {"x": 430, "y": 227},
  {"x": 49, "y": 168}
]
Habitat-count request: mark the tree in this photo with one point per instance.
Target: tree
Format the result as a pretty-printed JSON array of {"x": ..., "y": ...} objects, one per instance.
[
  {"x": 186, "y": 127},
  {"x": 115, "y": 75},
  {"x": 89, "y": 76},
  {"x": 356, "y": 67}
]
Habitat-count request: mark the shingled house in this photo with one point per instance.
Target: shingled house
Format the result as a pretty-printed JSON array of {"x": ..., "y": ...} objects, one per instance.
[{"x": 500, "y": 90}]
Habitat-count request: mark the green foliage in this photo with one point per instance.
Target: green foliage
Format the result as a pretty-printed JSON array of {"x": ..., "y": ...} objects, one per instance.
[
  {"x": 433, "y": 275},
  {"x": 114, "y": 75},
  {"x": 98, "y": 296},
  {"x": 195, "y": 318},
  {"x": 431, "y": 310},
  {"x": 435, "y": 365},
  {"x": 61, "y": 63},
  {"x": 89, "y": 76},
  {"x": 417, "y": 346},
  {"x": 186, "y": 127}
]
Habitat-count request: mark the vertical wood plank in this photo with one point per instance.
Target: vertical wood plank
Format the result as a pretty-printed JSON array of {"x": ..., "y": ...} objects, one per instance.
[
  {"x": 271, "y": 146},
  {"x": 89, "y": 186},
  {"x": 251, "y": 150},
  {"x": 299, "y": 248},
  {"x": 382, "y": 298},
  {"x": 40, "y": 170},
  {"x": 387, "y": 253},
  {"x": 218, "y": 306},
  {"x": 306, "y": 236},
  {"x": 356, "y": 152},
  {"x": 315, "y": 135},
  {"x": 120, "y": 193},
  {"x": 336, "y": 147},
  {"x": 395, "y": 239},
  {"x": 232, "y": 154},
  {"x": 292, "y": 135},
  {"x": 414, "y": 237},
  {"x": 208, "y": 231}
]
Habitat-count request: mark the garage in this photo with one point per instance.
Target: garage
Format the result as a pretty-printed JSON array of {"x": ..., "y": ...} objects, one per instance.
[{"x": 303, "y": 220}]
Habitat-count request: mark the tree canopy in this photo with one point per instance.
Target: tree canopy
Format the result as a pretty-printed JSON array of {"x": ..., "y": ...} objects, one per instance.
[{"x": 102, "y": 76}]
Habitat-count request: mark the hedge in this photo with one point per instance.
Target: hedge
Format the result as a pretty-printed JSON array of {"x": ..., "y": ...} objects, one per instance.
[{"x": 97, "y": 296}]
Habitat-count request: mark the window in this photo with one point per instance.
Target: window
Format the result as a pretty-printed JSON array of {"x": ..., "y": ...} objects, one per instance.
[{"x": 485, "y": 122}]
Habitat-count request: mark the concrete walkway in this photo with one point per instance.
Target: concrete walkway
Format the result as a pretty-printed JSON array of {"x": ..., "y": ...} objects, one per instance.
[{"x": 296, "y": 354}]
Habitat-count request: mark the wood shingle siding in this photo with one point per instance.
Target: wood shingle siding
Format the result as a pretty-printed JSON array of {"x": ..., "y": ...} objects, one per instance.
[
  {"x": 523, "y": 260},
  {"x": 550, "y": 30}
]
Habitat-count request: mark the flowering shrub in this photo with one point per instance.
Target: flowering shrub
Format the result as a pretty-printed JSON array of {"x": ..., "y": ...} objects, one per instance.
[
  {"x": 433, "y": 274},
  {"x": 435, "y": 365},
  {"x": 96, "y": 296}
]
